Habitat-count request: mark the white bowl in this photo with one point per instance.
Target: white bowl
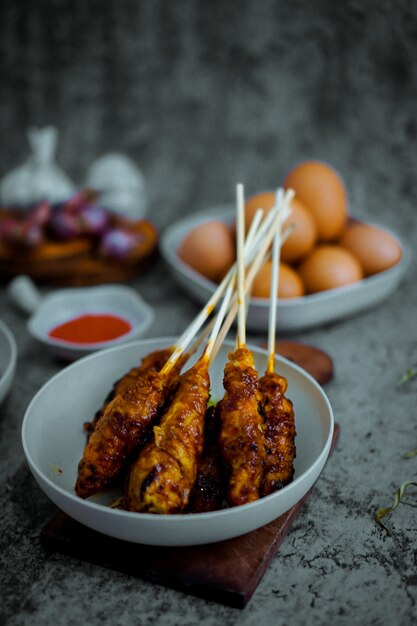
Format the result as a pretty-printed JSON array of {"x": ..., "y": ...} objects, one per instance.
[
  {"x": 65, "y": 304},
  {"x": 293, "y": 314},
  {"x": 8, "y": 360},
  {"x": 53, "y": 441}
]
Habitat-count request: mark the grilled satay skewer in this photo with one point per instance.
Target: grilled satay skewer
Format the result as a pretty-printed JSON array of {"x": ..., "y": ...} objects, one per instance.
[
  {"x": 241, "y": 427},
  {"x": 162, "y": 477},
  {"x": 241, "y": 432},
  {"x": 121, "y": 430},
  {"x": 280, "y": 433},
  {"x": 210, "y": 486},
  {"x": 154, "y": 361},
  {"x": 277, "y": 410}
]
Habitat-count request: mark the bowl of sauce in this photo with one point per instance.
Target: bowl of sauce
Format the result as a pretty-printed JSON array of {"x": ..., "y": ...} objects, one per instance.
[{"x": 74, "y": 322}]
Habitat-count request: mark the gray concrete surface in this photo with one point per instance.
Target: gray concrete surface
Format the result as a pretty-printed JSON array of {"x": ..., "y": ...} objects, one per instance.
[{"x": 202, "y": 95}]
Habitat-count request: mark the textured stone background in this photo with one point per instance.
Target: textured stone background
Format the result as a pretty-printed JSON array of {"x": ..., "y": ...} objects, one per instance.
[{"x": 201, "y": 95}]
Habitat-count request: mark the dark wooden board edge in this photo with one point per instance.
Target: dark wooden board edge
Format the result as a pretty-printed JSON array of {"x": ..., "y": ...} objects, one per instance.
[{"x": 207, "y": 571}]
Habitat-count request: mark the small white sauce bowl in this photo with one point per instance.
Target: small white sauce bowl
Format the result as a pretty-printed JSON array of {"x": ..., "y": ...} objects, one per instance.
[{"x": 66, "y": 304}]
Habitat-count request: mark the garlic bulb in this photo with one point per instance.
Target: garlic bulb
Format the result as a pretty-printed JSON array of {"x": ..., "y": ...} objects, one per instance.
[
  {"x": 120, "y": 184},
  {"x": 39, "y": 178}
]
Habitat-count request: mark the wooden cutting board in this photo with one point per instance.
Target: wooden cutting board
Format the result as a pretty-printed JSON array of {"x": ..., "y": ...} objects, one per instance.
[{"x": 227, "y": 572}]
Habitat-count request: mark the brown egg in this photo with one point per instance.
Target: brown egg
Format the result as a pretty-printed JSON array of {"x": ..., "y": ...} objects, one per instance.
[
  {"x": 329, "y": 266},
  {"x": 264, "y": 200},
  {"x": 303, "y": 237},
  {"x": 375, "y": 249},
  {"x": 322, "y": 190},
  {"x": 290, "y": 284},
  {"x": 209, "y": 249}
]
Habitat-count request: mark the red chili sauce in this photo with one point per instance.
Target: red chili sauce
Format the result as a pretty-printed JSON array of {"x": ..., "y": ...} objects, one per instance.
[{"x": 91, "y": 328}]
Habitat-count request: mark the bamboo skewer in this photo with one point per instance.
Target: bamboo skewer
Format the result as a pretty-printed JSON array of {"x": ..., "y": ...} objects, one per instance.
[
  {"x": 274, "y": 287},
  {"x": 208, "y": 352},
  {"x": 240, "y": 238},
  {"x": 252, "y": 241},
  {"x": 244, "y": 247},
  {"x": 261, "y": 256},
  {"x": 249, "y": 281},
  {"x": 231, "y": 287},
  {"x": 251, "y": 252}
]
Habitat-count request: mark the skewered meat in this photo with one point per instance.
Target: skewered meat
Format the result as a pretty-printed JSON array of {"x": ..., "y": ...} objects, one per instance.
[
  {"x": 154, "y": 361},
  {"x": 279, "y": 433},
  {"x": 210, "y": 486},
  {"x": 122, "y": 429},
  {"x": 241, "y": 433},
  {"x": 162, "y": 477}
]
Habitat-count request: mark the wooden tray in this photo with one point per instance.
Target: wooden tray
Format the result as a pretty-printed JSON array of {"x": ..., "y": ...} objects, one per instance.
[
  {"x": 75, "y": 263},
  {"x": 227, "y": 572}
]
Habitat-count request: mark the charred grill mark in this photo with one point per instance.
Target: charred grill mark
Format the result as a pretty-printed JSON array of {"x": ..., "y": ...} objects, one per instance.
[{"x": 148, "y": 480}]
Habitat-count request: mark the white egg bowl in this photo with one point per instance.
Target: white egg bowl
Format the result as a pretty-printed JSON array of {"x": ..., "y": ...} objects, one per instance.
[
  {"x": 53, "y": 441},
  {"x": 8, "y": 359},
  {"x": 65, "y": 304},
  {"x": 293, "y": 314}
]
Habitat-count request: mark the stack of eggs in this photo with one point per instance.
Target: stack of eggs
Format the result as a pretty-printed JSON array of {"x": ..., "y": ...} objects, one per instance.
[{"x": 326, "y": 248}]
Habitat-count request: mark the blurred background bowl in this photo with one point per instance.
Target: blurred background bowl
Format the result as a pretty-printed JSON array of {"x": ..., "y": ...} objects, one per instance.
[
  {"x": 8, "y": 360},
  {"x": 293, "y": 314}
]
